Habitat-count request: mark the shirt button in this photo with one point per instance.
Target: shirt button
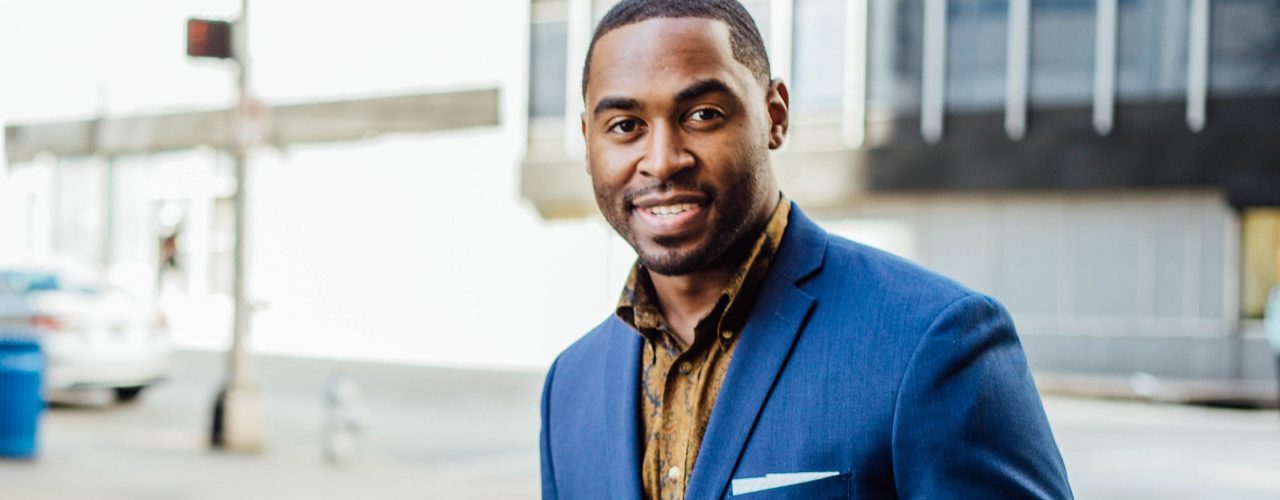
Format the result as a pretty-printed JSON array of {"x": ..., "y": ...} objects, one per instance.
[
  {"x": 726, "y": 335},
  {"x": 673, "y": 474},
  {"x": 685, "y": 368}
]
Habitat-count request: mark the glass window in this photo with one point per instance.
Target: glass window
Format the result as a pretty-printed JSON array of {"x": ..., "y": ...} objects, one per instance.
[
  {"x": 20, "y": 283},
  {"x": 1244, "y": 47},
  {"x": 818, "y": 55},
  {"x": 1062, "y": 33},
  {"x": 894, "y": 52},
  {"x": 1151, "y": 52},
  {"x": 977, "y": 37},
  {"x": 547, "y": 67}
]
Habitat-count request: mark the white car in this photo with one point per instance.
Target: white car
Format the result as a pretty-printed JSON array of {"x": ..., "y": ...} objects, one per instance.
[{"x": 94, "y": 336}]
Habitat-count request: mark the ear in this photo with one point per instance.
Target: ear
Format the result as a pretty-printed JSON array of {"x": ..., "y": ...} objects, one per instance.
[{"x": 778, "y": 101}]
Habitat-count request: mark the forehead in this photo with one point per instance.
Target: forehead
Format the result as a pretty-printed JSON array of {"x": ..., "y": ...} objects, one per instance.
[{"x": 662, "y": 55}]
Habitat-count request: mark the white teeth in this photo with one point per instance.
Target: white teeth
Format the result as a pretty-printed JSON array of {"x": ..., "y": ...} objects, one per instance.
[{"x": 671, "y": 210}]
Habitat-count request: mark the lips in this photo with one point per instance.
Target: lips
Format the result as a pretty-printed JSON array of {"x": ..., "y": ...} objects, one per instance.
[
  {"x": 670, "y": 214},
  {"x": 671, "y": 210}
]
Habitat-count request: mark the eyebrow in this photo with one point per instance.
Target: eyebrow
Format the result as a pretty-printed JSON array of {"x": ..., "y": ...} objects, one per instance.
[
  {"x": 689, "y": 93},
  {"x": 700, "y": 89},
  {"x": 620, "y": 103}
]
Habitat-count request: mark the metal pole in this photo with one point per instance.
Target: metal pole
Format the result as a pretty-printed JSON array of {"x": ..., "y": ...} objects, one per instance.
[
  {"x": 237, "y": 421},
  {"x": 106, "y": 235},
  {"x": 1018, "y": 69},
  {"x": 854, "y": 122},
  {"x": 107, "y": 238},
  {"x": 934, "y": 72},
  {"x": 1104, "y": 66},
  {"x": 239, "y": 155},
  {"x": 1198, "y": 65}
]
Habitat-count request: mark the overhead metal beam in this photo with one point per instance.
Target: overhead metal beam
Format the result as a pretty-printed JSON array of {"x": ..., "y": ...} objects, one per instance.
[{"x": 333, "y": 121}]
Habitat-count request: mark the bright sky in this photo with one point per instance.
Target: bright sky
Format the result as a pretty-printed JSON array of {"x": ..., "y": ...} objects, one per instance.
[{"x": 65, "y": 58}]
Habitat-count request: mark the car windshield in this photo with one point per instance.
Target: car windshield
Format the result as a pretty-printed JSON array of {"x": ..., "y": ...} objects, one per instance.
[{"x": 27, "y": 282}]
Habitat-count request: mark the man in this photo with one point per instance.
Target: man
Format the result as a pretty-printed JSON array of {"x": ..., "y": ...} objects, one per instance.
[{"x": 752, "y": 354}]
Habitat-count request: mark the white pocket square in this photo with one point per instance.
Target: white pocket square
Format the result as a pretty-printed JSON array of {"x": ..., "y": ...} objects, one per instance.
[{"x": 771, "y": 481}]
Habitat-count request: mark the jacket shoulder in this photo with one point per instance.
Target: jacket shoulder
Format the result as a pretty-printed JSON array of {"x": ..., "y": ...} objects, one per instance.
[{"x": 875, "y": 273}]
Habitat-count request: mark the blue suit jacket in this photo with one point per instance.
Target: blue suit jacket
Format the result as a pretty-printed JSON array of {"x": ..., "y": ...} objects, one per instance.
[{"x": 853, "y": 361}]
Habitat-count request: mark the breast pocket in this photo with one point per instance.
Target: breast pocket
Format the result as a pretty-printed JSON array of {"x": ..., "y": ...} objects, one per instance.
[{"x": 828, "y": 488}]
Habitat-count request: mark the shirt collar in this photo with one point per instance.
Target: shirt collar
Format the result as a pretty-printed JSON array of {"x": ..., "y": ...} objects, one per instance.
[{"x": 638, "y": 304}]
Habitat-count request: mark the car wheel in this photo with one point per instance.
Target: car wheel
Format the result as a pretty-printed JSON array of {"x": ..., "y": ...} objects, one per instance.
[{"x": 127, "y": 394}]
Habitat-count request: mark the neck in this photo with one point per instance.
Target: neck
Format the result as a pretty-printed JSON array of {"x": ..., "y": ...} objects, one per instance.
[{"x": 688, "y": 298}]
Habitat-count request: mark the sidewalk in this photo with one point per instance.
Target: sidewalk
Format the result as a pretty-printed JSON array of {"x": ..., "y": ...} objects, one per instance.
[
  {"x": 432, "y": 433},
  {"x": 1232, "y": 393}
]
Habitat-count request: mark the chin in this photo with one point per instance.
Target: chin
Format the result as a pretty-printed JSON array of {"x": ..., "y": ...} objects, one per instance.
[
  {"x": 669, "y": 261},
  {"x": 667, "y": 266}
]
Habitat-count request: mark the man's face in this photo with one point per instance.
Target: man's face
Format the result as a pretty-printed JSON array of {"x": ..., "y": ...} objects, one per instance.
[{"x": 678, "y": 135}]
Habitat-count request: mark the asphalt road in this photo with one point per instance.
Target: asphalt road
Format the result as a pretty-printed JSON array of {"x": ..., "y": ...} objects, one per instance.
[{"x": 448, "y": 433}]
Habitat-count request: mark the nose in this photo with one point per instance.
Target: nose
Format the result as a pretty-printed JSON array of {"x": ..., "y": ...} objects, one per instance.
[{"x": 665, "y": 154}]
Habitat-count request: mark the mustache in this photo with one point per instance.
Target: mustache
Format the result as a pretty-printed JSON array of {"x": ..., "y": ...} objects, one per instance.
[{"x": 629, "y": 196}]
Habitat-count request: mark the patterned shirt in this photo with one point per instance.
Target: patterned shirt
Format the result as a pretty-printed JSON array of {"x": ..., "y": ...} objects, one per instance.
[{"x": 679, "y": 383}]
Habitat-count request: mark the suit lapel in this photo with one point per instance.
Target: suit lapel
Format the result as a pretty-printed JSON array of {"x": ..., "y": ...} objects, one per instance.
[
  {"x": 622, "y": 389},
  {"x": 762, "y": 351}
]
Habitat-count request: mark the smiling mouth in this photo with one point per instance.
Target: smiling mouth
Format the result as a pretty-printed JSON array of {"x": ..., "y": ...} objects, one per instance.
[
  {"x": 672, "y": 219},
  {"x": 666, "y": 211}
]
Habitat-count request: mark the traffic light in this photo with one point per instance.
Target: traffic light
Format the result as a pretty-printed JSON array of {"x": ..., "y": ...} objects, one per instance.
[{"x": 208, "y": 38}]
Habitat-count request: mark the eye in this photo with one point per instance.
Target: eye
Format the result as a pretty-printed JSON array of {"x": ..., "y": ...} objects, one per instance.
[
  {"x": 704, "y": 119},
  {"x": 705, "y": 115},
  {"x": 626, "y": 126}
]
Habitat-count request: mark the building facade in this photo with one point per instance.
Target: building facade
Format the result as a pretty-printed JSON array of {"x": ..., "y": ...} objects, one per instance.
[{"x": 1104, "y": 168}]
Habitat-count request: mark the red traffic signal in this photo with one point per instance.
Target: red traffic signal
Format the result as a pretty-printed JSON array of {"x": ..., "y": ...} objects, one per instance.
[{"x": 208, "y": 38}]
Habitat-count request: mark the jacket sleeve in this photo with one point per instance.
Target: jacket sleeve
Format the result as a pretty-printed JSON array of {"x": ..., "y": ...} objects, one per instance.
[
  {"x": 968, "y": 422},
  {"x": 544, "y": 440}
]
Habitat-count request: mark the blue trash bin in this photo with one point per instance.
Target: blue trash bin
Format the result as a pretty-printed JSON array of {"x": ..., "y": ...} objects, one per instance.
[{"x": 21, "y": 367}]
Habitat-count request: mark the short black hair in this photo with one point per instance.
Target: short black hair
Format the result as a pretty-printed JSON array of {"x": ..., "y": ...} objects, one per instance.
[{"x": 744, "y": 37}]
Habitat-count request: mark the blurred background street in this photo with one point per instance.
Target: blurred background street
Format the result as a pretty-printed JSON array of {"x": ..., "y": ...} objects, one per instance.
[{"x": 455, "y": 433}]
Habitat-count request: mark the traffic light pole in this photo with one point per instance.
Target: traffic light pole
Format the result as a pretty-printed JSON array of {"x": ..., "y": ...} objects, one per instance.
[{"x": 238, "y": 423}]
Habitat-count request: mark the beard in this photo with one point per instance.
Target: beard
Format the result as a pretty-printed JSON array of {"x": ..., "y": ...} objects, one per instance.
[
  {"x": 730, "y": 223},
  {"x": 734, "y": 216}
]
